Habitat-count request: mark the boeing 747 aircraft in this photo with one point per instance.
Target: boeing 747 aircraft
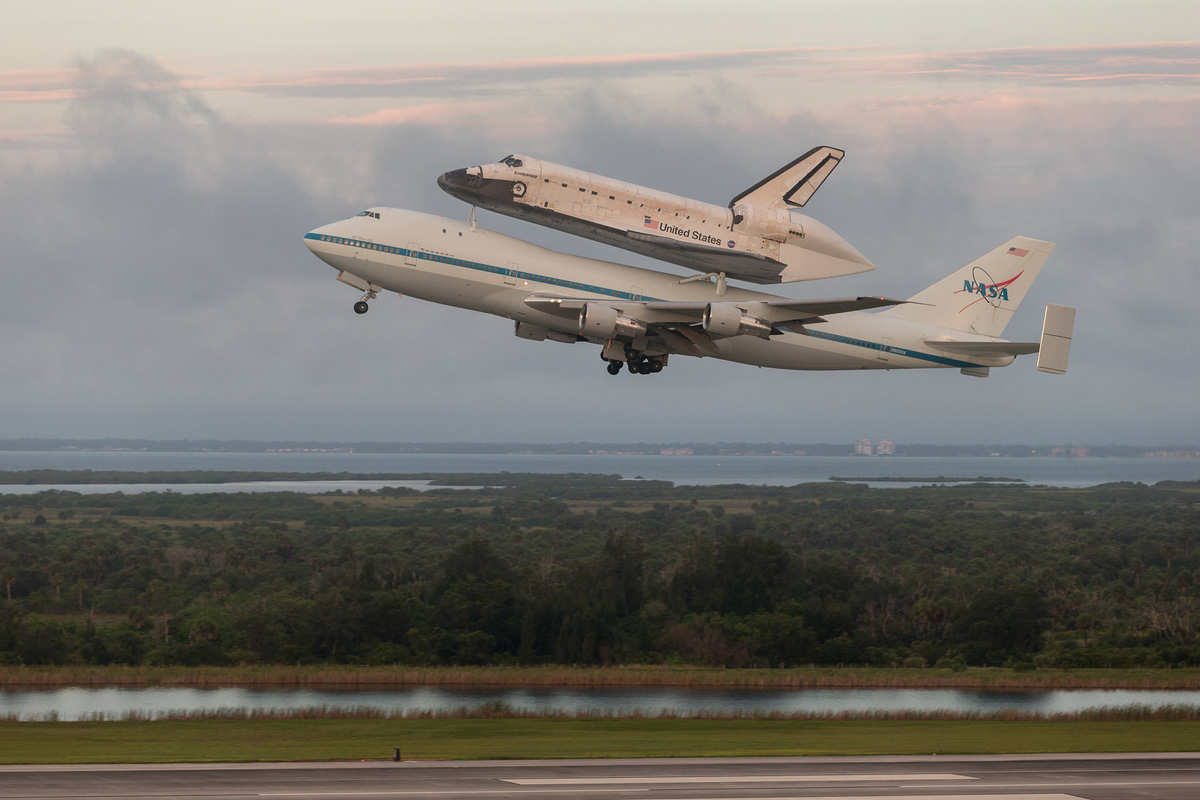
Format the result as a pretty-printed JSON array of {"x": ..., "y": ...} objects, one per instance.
[
  {"x": 759, "y": 238},
  {"x": 640, "y": 317}
]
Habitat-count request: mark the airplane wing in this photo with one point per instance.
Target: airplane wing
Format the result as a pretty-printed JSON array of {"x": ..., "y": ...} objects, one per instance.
[
  {"x": 667, "y": 311},
  {"x": 794, "y": 184},
  {"x": 679, "y": 324},
  {"x": 985, "y": 348}
]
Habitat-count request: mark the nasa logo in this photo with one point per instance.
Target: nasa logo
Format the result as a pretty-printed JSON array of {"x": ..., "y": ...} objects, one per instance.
[
  {"x": 729, "y": 243},
  {"x": 981, "y": 283}
]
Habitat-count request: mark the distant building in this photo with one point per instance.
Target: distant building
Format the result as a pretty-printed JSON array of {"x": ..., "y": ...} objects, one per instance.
[
  {"x": 678, "y": 451},
  {"x": 864, "y": 447},
  {"x": 886, "y": 447}
]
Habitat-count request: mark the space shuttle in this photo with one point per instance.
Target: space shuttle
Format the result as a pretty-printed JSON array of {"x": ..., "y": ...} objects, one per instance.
[{"x": 759, "y": 237}]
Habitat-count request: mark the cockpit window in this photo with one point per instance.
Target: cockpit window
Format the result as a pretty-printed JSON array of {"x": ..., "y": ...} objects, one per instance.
[
  {"x": 513, "y": 162},
  {"x": 372, "y": 214}
]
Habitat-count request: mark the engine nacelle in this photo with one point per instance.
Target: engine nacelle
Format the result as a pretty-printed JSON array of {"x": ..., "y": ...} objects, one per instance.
[
  {"x": 537, "y": 333},
  {"x": 598, "y": 321},
  {"x": 775, "y": 224},
  {"x": 723, "y": 320}
]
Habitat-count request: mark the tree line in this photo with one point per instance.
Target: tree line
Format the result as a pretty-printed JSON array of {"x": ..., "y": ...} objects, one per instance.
[{"x": 594, "y": 570}]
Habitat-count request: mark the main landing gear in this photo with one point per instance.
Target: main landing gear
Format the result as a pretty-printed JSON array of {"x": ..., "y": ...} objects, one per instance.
[
  {"x": 361, "y": 306},
  {"x": 645, "y": 366},
  {"x": 637, "y": 364}
]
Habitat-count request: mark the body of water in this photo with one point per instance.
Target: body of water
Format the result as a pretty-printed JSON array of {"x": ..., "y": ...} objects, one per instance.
[
  {"x": 78, "y": 703},
  {"x": 682, "y": 470}
]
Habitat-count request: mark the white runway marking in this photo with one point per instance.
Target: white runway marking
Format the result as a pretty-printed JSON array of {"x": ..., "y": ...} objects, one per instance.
[
  {"x": 403, "y": 793},
  {"x": 790, "y": 797},
  {"x": 914, "y": 797},
  {"x": 830, "y": 778}
]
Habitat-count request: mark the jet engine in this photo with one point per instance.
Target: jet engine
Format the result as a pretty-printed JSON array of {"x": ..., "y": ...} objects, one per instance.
[
  {"x": 723, "y": 319},
  {"x": 599, "y": 321},
  {"x": 775, "y": 224}
]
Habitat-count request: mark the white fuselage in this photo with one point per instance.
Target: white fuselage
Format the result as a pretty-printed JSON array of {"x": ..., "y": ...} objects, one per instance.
[{"x": 456, "y": 264}]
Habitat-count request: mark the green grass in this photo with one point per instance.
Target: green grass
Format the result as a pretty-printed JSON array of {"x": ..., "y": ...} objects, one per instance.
[
  {"x": 683, "y": 676},
  {"x": 350, "y": 739}
]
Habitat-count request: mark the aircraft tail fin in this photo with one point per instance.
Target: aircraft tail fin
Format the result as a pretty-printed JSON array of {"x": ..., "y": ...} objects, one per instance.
[
  {"x": 982, "y": 296},
  {"x": 794, "y": 184}
]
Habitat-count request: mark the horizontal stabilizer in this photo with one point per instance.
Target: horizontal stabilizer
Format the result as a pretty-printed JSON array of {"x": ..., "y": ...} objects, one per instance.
[
  {"x": 794, "y": 184},
  {"x": 1057, "y": 329},
  {"x": 985, "y": 348}
]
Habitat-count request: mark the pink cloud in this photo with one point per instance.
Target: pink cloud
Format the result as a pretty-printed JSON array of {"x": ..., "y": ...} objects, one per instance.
[
  {"x": 399, "y": 76},
  {"x": 427, "y": 114},
  {"x": 1137, "y": 63},
  {"x": 1163, "y": 63}
]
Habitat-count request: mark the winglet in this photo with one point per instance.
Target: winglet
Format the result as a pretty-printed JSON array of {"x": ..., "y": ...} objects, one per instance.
[{"x": 794, "y": 184}]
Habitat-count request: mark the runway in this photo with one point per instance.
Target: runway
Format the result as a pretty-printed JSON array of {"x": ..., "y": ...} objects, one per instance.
[{"x": 1031, "y": 777}]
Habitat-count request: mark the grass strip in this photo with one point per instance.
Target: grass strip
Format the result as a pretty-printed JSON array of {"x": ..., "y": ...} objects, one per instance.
[
  {"x": 349, "y": 739},
  {"x": 350, "y": 677}
]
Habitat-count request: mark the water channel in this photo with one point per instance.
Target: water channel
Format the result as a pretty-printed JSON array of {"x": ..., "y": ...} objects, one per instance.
[
  {"x": 68, "y": 704},
  {"x": 682, "y": 470}
]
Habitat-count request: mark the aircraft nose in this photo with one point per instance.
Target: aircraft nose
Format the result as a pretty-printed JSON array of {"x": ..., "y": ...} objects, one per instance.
[
  {"x": 315, "y": 239},
  {"x": 451, "y": 178},
  {"x": 462, "y": 183}
]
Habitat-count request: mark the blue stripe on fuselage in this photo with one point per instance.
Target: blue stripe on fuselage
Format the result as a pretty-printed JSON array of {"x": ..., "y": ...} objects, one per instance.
[{"x": 619, "y": 295}]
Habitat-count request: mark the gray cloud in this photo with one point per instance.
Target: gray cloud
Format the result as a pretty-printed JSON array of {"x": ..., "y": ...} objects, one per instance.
[
  {"x": 1113, "y": 64},
  {"x": 156, "y": 284}
]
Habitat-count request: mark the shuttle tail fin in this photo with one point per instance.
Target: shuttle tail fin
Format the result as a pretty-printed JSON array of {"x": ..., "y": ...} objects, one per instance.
[
  {"x": 982, "y": 296},
  {"x": 794, "y": 184}
]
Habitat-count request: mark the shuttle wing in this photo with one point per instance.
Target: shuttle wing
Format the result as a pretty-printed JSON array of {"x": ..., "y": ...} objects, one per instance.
[{"x": 738, "y": 263}]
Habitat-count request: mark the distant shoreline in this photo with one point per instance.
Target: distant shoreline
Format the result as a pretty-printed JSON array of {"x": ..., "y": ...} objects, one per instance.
[
  {"x": 676, "y": 449},
  {"x": 918, "y": 479}
]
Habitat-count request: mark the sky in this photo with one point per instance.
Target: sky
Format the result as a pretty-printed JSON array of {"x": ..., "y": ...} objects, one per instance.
[{"x": 161, "y": 162}]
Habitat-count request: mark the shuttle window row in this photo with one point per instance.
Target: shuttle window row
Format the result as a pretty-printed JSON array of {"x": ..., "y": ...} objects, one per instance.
[
  {"x": 512, "y": 162},
  {"x": 372, "y": 214}
]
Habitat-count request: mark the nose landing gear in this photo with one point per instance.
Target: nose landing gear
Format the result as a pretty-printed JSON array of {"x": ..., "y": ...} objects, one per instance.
[{"x": 361, "y": 306}]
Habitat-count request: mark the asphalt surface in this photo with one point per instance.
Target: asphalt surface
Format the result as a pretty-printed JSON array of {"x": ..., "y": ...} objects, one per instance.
[{"x": 1090, "y": 777}]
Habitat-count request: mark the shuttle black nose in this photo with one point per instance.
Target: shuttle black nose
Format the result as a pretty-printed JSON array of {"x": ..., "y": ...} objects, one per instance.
[
  {"x": 461, "y": 183},
  {"x": 452, "y": 178},
  {"x": 470, "y": 185}
]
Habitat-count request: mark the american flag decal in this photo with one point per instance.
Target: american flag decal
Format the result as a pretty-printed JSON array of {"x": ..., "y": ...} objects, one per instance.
[
  {"x": 650, "y": 223},
  {"x": 1016, "y": 251}
]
